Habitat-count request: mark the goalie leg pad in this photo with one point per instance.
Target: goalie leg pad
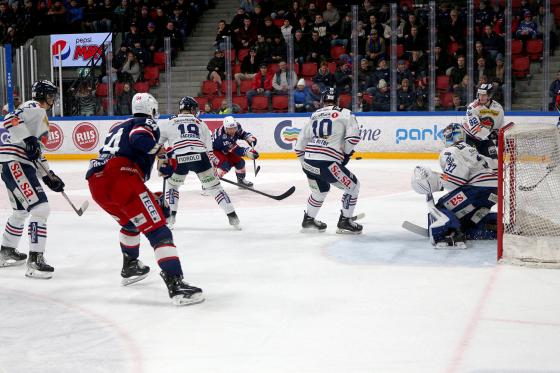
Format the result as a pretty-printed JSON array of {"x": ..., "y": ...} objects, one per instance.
[
  {"x": 442, "y": 223},
  {"x": 486, "y": 229}
]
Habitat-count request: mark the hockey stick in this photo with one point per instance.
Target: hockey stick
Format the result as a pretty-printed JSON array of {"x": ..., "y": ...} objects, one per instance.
[
  {"x": 359, "y": 216},
  {"x": 84, "y": 205},
  {"x": 528, "y": 188},
  {"x": 255, "y": 168},
  {"x": 411, "y": 227},
  {"x": 280, "y": 197}
]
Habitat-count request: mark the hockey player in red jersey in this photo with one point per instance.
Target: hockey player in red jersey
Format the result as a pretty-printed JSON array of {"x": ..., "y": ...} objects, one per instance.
[
  {"x": 116, "y": 182},
  {"x": 228, "y": 153}
]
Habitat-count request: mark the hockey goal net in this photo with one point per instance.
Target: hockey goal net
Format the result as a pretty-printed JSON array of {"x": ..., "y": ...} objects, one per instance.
[{"x": 529, "y": 195}]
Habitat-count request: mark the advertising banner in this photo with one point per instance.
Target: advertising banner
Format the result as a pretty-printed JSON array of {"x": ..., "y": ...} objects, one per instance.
[{"x": 76, "y": 50}]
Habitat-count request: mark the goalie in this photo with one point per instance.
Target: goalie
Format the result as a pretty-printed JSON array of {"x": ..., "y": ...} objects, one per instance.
[{"x": 464, "y": 212}]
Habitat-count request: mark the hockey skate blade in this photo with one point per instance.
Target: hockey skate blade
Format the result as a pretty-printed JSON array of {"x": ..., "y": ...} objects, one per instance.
[
  {"x": 344, "y": 231},
  {"x": 445, "y": 246},
  {"x": 33, "y": 273},
  {"x": 131, "y": 280},
  {"x": 11, "y": 263},
  {"x": 180, "y": 300},
  {"x": 312, "y": 230}
]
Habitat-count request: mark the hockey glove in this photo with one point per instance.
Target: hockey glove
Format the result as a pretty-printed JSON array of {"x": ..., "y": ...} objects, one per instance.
[
  {"x": 166, "y": 170},
  {"x": 493, "y": 135},
  {"x": 252, "y": 141},
  {"x": 160, "y": 199},
  {"x": 53, "y": 182},
  {"x": 32, "y": 148},
  {"x": 347, "y": 158},
  {"x": 251, "y": 153}
]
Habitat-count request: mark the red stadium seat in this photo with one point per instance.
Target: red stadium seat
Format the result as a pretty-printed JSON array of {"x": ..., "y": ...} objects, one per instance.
[
  {"x": 442, "y": 83},
  {"x": 280, "y": 103},
  {"x": 309, "y": 69},
  {"x": 233, "y": 84},
  {"x": 368, "y": 98},
  {"x": 102, "y": 90},
  {"x": 201, "y": 101},
  {"x": 241, "y": 54},
  {"x": 520, "y": 66},
  {"x": 217, "y": 102},
  {"x": 119, "y": 88},
  {"x": 235, "y": 69},
  {"x": 345, "y": 100},
  {"x": 516, "y": 47},
  {"x": 337, "y": 51},
  {"x": 446, "y": 100},
  {"x": 534, "y": 49},
  {"x": 278, "y": 22},
  {"x": 209, "y": 88},
  {"x": 245, "y": 86},
  {"x": 332, "y": 67},
  {"x": 242, "y": 102},
  {"x": 273, "y": 67},
  {"x": 452, "y": 47},
  {"x": 142, "y": 87},
  {"x": 159, "y": 60},
  {"x": 260, "y": 104},
  {"x": 151, "y": 75}
]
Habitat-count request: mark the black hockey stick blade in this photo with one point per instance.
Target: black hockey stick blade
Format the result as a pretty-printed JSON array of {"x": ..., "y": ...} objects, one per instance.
[
  {"x": 257, "y": 170},
  {"x": 528, "y": 188},
  {"x": 280, "y": 197},
  {"x": 411, "y": 227}
]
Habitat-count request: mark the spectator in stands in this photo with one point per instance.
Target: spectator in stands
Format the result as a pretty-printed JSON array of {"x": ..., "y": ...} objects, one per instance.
[
  {"x": 246, "y": 35},
  {"x": 237, "y": 21},
  {"x": 141, "y": 53},
  {"x": 527, "y": 28},
  {"x": 462, "y": 90},
  {"x": 421, "y": 98},
  {"x": 300, "y": 95},
  {"x": 17, "y": 102},
  {"x": 294, "y": 13},
  {"x": 223, "y": 31},
  {"x": 105, "y": 19},
  {"x": 57, "y": 17},
  {"x": 319, "y": 49},
  {"x": 403, "y": 73},
  {"x": 270, "y": 30},
  {"x": 278, "y": 49},
  {"x": 551, "y": 21},
  {"x": 480, "y": 52},
  {"x": 313, "y": 99},
  {"x": 493, "y": 43},
  {"x": 375, "y": 47},
  {"x": 224, "y": 109},
  {"x": 304, "y": 26},
  {"x": 143, "y": 19},
  {"x": 258, "y": 17},
  {"x": 554, "y": 90},
  {"x": 216, "y": 67},
  {"x": 343, "y": 32},
  {"x": 152, "y": 41},
  {"x": 498, "y": 90},
  {"x": 263, "y": 49},
  {"x": 248, "y": 6},
  {"x": 405, "y": 96},
  {"x": 160, "y": 20},
  {"x": 74, "y": 16},
  {"x": 442, "y": 60},
  {"x": 286, "y": 30},
  {"x": 283, "y": 79},
  {"x": 437, "y": 104},
  {"x": 382, "y": 98},
  {"x": 414, "y": 41},
  {"x": 382, "y": 72},
  {"x": 458, "y": 72},
  {"x": 312, "y": 11},
  {"x": 498, "y": 71},
  {"x": 123, "y": 13},
  {"x": 364, "y": 75},
  {"x": 481, "y": 69},
  {"x": 262, "y": 85},
  {"x": 331, "y": 15},
  {"x": 133, "y": 36},
  {"x": 85, "y": 100},
  {"x": 373, "y": 25},
  {"x": 249, "y": 67},
  {"x": 457, "y": 105},
  {"x": 324, "y": 78},
  {"x": 413, "y": 21},
  {"x": 124, "y": 100},
  {"x": 418, "y": 65},
  {"x": 343, "y": 78},
  {"x": 455, "y": 27},
  {"x": 321, "y": 26},
  {"x": 208, "y": 109},
  {"x": 301, "y": 48},
  {"x": 130, "y": 71},
  {"x": 180, "y": 21}
]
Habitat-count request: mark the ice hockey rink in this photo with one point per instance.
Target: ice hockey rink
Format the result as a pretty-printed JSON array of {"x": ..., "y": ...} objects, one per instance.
[{"x": 278, "y": 300}]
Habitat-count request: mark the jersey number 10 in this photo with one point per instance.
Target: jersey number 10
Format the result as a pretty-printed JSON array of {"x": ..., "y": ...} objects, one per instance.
[{"x": 319, "y": 127}]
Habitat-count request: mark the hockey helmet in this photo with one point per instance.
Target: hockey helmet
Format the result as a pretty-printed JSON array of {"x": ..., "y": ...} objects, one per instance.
[
  {"x": 145, "y": 103},
  {"x": 42, "y": 90},
  {"x": 485, "y": 89},
  {"x": 230, "y": 122},
  {"x": 329, "y": 95},
  {"x": 190, "y": 104},
  {"x": 453, "y": 133}
]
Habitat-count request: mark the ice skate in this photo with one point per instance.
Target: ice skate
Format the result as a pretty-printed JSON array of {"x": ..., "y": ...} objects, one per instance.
[
  {"x": 133, "y": 270},
  {"x": 9, "y": 256},
  {"x": 233, "y": 220},
  {"x": 244, "y": 182},
  {"x": 455, "y": 240},
  {"x": 348, "y": 226},
  {"x": 310, "y": 225},
  {"x": 181, "y": 293},
  {"x": 171, "y": 220},
  {"x": 36, "y": 266}
]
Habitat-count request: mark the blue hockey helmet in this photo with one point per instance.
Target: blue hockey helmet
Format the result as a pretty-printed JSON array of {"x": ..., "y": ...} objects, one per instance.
[
  {"x": 190, "y": 104},
  {"x": 453, "y": 133},
  {"x": 329, "y": 95}
]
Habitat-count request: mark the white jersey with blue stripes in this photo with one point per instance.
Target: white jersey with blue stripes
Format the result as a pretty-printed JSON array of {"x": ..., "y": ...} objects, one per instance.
[
  {"x": 185, "y": 133},
  {"x": 462, "y": 165},
  {"x": 330, "y": 133}
]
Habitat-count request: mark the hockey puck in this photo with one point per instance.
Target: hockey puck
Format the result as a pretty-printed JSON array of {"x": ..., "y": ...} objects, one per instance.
[{"x": 358, "y": 158}]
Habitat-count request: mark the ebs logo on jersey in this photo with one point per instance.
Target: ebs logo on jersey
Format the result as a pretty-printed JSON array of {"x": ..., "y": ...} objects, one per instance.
[
  {"x": 62, "y": 47},
  {"x": 285, "y": 134}
]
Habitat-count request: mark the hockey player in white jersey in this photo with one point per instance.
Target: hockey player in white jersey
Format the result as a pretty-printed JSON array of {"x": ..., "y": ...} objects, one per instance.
[
  {"x": 481, "y": 123},
  {"x": 472, "y": 186},
  {"x": 22, "y": 163},
  {"x": 324, "y": 147},
  {"x": 191, "y": 143}
]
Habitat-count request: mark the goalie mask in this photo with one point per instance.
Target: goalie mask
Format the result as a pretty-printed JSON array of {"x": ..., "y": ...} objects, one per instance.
[{"x": 453, "y": 133}]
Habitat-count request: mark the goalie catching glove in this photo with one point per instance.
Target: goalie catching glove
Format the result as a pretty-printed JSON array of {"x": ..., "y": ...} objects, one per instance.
[{"x": 425, "y": 181}]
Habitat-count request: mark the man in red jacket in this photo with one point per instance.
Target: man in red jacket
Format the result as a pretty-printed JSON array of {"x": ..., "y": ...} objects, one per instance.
[{"x": 262, "y": 85}]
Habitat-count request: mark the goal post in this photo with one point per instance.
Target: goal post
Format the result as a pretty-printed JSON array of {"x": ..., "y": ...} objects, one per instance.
[{"x": 529, "y": 195}]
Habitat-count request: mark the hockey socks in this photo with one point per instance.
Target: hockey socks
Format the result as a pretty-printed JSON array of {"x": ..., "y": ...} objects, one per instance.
[
  {"x": 348, "y": 204},
  {"x": 314, "y": 203},
  {"x": 167, "y": 257},
  {"x": 130, "y": 242},
  {"x": 222, "y": 198}
]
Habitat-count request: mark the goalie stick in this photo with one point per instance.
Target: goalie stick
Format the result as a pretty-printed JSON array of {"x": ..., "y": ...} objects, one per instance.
[
  {"x": 280, "y": 197},
  {"x": 411, "y": 227},
  {"x": 84, "y": 205},
  {"x": 528, "y": 188}
]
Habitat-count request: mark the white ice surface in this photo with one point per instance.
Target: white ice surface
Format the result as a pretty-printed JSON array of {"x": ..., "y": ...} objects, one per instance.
[{"x": 278, "y": 300}]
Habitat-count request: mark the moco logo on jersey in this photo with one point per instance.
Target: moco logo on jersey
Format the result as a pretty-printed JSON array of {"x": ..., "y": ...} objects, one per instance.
[
  {"x": 75, "y": 50},
  {"x": 285, "y": 135},
  {"x": 85, "y": 136},
  {"x": 54, "y": 139}
]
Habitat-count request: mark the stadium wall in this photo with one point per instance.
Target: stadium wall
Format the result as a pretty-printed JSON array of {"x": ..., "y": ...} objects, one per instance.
[{"x": 384, "y": 135}]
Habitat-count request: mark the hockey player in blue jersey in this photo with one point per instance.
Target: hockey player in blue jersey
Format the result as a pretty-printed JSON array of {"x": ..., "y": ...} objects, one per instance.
[
  {"x": 22, "y": 164},
  {"x": 229, "y": 153},
  {"x": 471, "y": 184},
  {"x": 116, "y": 181},
  {"x": 324, "y": 147}
]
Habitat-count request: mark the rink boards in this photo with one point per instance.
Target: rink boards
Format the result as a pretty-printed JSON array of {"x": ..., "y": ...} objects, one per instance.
[{"x": 383, "y": 135}]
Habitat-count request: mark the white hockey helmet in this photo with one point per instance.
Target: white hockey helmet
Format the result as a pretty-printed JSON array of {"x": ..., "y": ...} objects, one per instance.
[
  {"x": 145, "y": 103},
  {"x": 230, "y": 122}
]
